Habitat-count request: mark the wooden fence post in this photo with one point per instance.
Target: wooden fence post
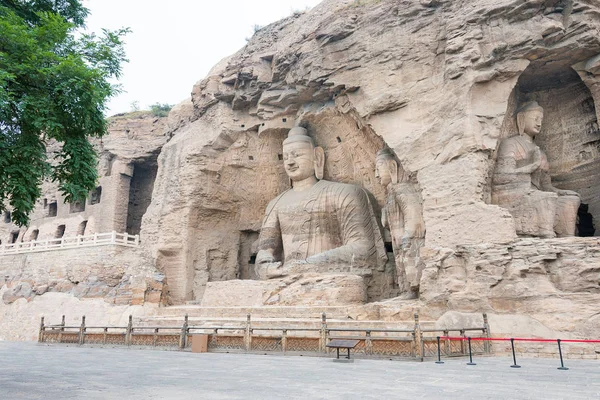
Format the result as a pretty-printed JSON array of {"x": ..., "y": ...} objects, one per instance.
[
  {"x": 248, "y": 334},
  {"x": 368, "y": 343},
  {"x": 82, "y": 331},
  {"x": 184, "y": 331},
  {"x": 284, "y": 340},
  {"x": 62, "y": 329},
  {"x": 129, "y": 330},
  {"x": 41, "y": 333},
  {"x": 323, "y": 334},
  {"x": 447, "y": 343},
  {"x": 487, "y": 344},
  {"x": 418, "y": 337}
]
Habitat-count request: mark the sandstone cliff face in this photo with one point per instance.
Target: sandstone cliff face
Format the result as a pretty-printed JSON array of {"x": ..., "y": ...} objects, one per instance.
[{"x": 438, "y": 81}]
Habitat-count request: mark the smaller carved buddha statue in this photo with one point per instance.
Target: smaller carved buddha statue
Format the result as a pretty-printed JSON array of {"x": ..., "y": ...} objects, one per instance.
[
  {"x": 522, "y": 183},
  {"x": 403, "y": 216}
]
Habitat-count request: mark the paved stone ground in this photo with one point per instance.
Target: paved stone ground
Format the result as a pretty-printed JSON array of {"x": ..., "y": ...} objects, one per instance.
[{"x": 32, "y": 371}]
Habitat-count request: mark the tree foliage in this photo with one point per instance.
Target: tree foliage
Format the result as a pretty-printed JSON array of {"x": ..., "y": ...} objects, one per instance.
[
  {"x": 54, "y": 85},
  {"x": 160, "y": 110}
]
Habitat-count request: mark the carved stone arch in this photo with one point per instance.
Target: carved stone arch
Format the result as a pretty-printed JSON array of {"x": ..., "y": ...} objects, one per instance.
[{"x": 569, "y": 137}]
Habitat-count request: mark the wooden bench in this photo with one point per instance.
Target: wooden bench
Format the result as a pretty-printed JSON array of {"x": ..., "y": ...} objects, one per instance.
[{"x": 342, "y": 344}]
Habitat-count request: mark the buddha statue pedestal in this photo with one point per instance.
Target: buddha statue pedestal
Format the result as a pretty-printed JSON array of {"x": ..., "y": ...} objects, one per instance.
[{"x": 293, "y": 290}]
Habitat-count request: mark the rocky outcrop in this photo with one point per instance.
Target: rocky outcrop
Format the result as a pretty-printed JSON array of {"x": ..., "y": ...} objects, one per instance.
[
  {"x": 436, "y": 81},
  {"x": 120, "y": 276}
]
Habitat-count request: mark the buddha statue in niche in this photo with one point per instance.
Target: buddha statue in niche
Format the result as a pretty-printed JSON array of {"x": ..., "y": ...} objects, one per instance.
[
  {"x": 317, "y": 225},
  {"x": 521, "y": 182},
  {"x": 403, "y": 216}
]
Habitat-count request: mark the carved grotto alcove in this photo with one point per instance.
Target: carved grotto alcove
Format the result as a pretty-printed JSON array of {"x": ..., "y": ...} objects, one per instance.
[{"x": 569, "y": 135}]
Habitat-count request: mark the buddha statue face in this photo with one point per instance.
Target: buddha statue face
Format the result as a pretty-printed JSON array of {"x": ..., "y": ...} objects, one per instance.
[
  {"x": 386, "y": 167},
  {"x": 533, "y": 122},
  {"x": 529, "y": 119},
  {"x": 382, "y": 171},
  {"x": 299, "y": 160}
]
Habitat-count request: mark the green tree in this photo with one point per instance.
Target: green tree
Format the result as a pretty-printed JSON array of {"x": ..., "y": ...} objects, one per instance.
[
  {"x": 160, "y": 110},
  {"x": 54, "y": 84}
]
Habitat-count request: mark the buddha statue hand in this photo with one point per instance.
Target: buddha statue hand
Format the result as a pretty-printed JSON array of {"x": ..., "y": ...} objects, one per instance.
[
  {"x": 535, "y": 165},
  {"x": 562, "y": 192}
]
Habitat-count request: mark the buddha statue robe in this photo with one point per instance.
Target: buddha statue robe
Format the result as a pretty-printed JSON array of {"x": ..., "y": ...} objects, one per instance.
[
  {"x": 329, "y": 225},
  {"x": 537, "y": 207}
]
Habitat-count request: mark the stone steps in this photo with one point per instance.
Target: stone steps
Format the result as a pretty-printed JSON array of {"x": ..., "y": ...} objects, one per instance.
[
  {"x": 265, "y": 317},
  {"x": 300, "y": 312}
]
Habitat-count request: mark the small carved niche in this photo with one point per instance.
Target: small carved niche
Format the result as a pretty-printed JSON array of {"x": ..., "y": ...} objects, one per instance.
[
  {"x": 7, "y": 217},
  {"x": 77, "y": 206},
  {"x": 81, "y": 228},
  {"x": 60, "y": 231},
  {"x": 247, "y": 254},
  {"x": 95, "y": 196},
  {"x": 34, "y": 234},
  {"x": 52, "y": 209},
  {"x": 13, "y": 237}
]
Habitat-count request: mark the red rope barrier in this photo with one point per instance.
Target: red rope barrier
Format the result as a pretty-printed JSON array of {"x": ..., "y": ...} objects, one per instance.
[{"x": 518, "y": 339}]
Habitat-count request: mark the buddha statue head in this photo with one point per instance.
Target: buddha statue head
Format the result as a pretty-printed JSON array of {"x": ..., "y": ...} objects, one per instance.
[
  {"x": 301, "y": 158},
  {"x": 529, "y": 118},
  {"x": 387, "y": 167}
]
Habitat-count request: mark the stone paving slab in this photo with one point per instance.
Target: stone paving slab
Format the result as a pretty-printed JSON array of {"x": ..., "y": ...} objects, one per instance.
[{"x": 34, "y": 371}]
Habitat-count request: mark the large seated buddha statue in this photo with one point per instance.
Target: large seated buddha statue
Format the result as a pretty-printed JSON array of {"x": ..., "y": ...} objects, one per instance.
[
  {"x": 317, "y": 226},
  {"x": 522, "y": 183}
]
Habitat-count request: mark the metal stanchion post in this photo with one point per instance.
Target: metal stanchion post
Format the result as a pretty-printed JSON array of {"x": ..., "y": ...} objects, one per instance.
[
  {"x": 512, "y": 343},
  {"x": 562, "y": 364},
  {"x": 439, "y": 361},
  {"x": 470, "y": 353}
]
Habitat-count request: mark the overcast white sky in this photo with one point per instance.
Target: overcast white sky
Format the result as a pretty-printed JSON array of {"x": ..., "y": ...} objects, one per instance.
[{"x": 175, "y": 43}]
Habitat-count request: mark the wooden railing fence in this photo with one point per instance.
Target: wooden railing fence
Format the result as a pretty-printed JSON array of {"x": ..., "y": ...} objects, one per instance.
[{"x": 408, "y": 342}]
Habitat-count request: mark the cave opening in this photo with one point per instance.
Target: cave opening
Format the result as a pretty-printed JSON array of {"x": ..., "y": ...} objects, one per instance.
[
  {"x": 247, "y": 254},
  {"x": 585, "y": 222},
  {"x": 140, "y": 193}
]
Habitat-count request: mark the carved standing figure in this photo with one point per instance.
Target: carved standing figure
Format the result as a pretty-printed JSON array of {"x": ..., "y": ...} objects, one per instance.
[
  {"x": 522, "y": 184},
  {"x": 403, "y": 217},
  {"x": 317, "y": 225}
]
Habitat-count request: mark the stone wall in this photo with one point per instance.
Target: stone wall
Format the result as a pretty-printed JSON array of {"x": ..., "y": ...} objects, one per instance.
[
  {"x": 119, "y": 275},
  {"x": 104, "y": 282}
]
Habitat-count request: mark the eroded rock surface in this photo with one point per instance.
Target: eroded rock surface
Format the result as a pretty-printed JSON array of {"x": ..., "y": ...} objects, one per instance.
[{"x": 436, "y": 81}]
